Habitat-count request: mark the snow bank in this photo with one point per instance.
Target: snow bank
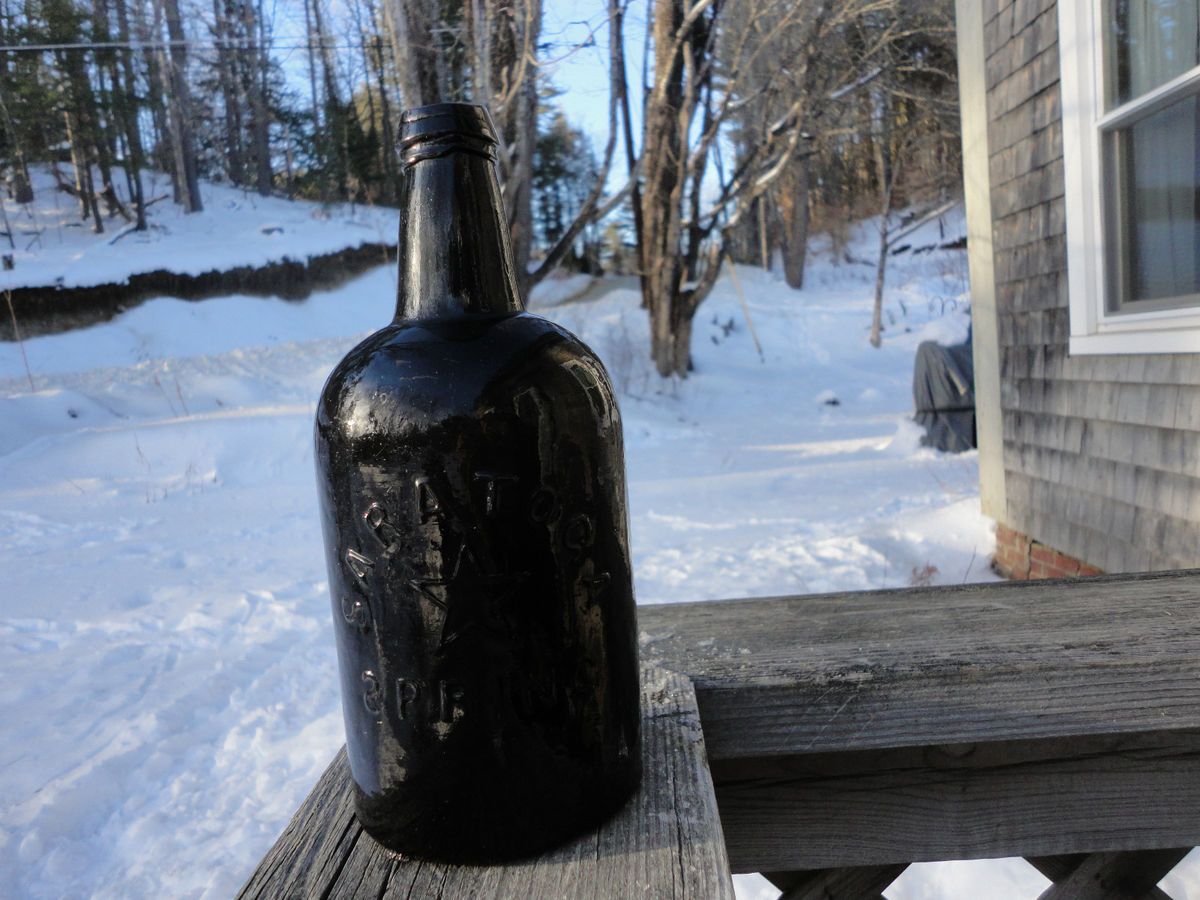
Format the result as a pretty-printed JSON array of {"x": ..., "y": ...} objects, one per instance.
[{"x": 237, "y": 228}]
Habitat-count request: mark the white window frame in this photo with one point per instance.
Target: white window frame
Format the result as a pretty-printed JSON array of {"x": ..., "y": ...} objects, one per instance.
[{"x": 1094, "y": 330}]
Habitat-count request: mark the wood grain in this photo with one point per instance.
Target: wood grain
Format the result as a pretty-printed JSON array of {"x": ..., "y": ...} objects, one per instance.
[
  {"x": 917, "y": 805},
  {"x": 666, "y": 842},
  {"x": 948, "y": 665},
  {"x": 864, "y": 883},
  {"x": 947, "y": 723},
  {"x": 1116, "y": 876},
  {"x": 1060, "y": 868}
]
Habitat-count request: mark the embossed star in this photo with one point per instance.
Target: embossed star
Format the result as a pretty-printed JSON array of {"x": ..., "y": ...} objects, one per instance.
[{"x": 470, "y": 599}]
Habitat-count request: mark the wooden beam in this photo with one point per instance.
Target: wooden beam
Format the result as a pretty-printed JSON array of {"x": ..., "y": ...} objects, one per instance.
[
  {"x": 1059, "y": 868},
  {"x": 666, "y": 842},
  {"x": 947, "y": 723},
  {"x": 1116, "y": 876},
  {"x": 926, "y": 667},
  {"x": 863, "y": 883},
  {"x": 883, "y": 807}
]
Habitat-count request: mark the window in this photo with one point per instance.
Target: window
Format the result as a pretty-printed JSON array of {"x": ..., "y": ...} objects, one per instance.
[{"x": 1131, "y": 156}]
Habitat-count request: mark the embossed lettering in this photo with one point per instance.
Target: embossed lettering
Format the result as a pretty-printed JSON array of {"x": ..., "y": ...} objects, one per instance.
[
  {"x": 436, "y": 702},
  {"x": 470, "y": 598},
  {"x": 428, "y": 503},
  {"x": 371, "y": 694},
  {"x": 451, "y": 695},
  {"x": 356, "y": 613},
  {"x": 594, "y": 386},
  {"x": 580, "y": 532},
  {"x": 376, "y": 517},
  {"x": 359, "y": 564},
  {"x": 544, "y": 506},
  {"x": 408, "y": 692},
  {"x": 492, "y": 492}
]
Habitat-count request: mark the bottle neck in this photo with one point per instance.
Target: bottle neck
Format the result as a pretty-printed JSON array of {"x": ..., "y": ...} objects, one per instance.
[{"x": 455, "y": 257}]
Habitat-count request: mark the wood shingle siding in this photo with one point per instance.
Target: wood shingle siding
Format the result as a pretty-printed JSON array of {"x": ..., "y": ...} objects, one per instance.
[{"x": 1101, "y": 453}]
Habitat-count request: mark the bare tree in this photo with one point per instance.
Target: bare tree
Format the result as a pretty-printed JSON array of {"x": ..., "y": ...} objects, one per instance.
[
  {"x": 180, "y": 109},
  {"x": 227, "y": 77},
  {"x": 591, "y": 210},
  {"x": 254, "y": 27},
  {"x": 712, "y": 60},
  {"x": 913, "y": 115},
  {"x": 774, "y": 77},
  {"x": 413, "y": 26}
]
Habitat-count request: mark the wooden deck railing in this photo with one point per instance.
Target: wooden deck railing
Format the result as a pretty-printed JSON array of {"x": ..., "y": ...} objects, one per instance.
[{"x": 848, "y": 735}]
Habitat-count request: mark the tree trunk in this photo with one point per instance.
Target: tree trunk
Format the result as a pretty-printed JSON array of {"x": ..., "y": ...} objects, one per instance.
[
  {"x": 102, "y": 138},
  {"x": 227, "y": 78},
  {"x": 521, "y": 175},
  {"x": 388, "y": 137},
  {"x": 618, "y": 36},
  {"x": 411, "y": 24},
  {"x": 181, "y": 111},
  {"x": 671, "y": 340},
  {"x": 124, "y": 93},
  {"x": 287, "y": 162},
  {"x": 662, "y": 157},
  {"x": 129, "y": 115},
  {"x": 259, "y": 105},
  {"x": 84, "y": 185},
  {"x": 22, "y": 185},
  {"x": 335, "y": 115},
  {"x": 764, "y": 249},
  {"x": 83, "y": 129},
  {"x": 85, "y": 209},
  {"x": 160, "y": 146},
  {"x": 505, "y": 77},
  {"x": 880, "y": 273},
  {"x": 886, "y": 177},
  {"x": 320, "y": 143},
  {"x": 795, "y": 223}
]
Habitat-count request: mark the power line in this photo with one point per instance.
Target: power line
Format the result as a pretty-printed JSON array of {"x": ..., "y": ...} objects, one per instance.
[
  {"x": 229, "y": 44},
  {"x": 236, "y": 44}
]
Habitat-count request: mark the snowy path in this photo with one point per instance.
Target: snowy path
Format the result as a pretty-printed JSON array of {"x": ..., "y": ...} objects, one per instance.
[{"x": 169, "y": 691}]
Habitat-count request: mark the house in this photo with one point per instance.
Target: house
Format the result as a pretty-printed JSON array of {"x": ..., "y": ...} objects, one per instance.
[{"x": 1081, "y": 134}]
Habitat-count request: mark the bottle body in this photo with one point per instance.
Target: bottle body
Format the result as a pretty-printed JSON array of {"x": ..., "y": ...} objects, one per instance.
[{"x": 472, "y": 493}]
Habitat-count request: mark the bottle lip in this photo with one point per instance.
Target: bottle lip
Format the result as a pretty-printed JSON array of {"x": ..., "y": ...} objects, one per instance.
[{"x": 441, "y": 128}]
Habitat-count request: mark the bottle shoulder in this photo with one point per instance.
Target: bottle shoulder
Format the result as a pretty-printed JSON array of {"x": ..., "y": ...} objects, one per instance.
[{"x": 422, "y": 371}]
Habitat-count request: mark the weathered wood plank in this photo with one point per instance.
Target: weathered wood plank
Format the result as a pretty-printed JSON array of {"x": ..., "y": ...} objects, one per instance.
[
  {"x": 947, "y": 723},
  {"x": 959, "y": 802},
  {"x": 1056, "y": 868},
  {"x": 863, "y": 883},
  {"x": 1116, "y": 876},
  {"x": 666, "y": 842},
  {"x": 1059, "y": 868},
  {"x": 945, "y": 665}
]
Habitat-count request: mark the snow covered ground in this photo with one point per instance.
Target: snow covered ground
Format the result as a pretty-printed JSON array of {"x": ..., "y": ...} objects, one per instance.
[
  {"x": 169, "y": 691},
  {"x": 237, "y": 228}
]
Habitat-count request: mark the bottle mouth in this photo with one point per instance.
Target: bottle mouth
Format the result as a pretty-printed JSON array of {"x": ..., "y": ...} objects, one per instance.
[{"x": 436, "y": 130}]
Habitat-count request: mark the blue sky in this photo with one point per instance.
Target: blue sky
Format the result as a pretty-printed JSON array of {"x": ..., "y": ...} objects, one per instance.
[{"x": 580, "y": 67}]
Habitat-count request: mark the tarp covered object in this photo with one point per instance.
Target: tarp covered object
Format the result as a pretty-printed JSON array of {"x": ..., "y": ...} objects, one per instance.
[{"x": 944, "y": 395}]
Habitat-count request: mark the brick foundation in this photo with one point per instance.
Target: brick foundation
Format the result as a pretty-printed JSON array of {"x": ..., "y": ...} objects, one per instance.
[{"x": 1020, "y": 557}]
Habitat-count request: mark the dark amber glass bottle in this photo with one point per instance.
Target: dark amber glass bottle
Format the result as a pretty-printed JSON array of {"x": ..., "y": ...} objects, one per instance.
[{"x": 472, "y": 493}]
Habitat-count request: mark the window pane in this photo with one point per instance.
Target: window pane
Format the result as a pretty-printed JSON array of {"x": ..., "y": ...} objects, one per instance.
[
  {"x": 1154, "y": 209},
  {"x": 1149, "y": 42}
]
